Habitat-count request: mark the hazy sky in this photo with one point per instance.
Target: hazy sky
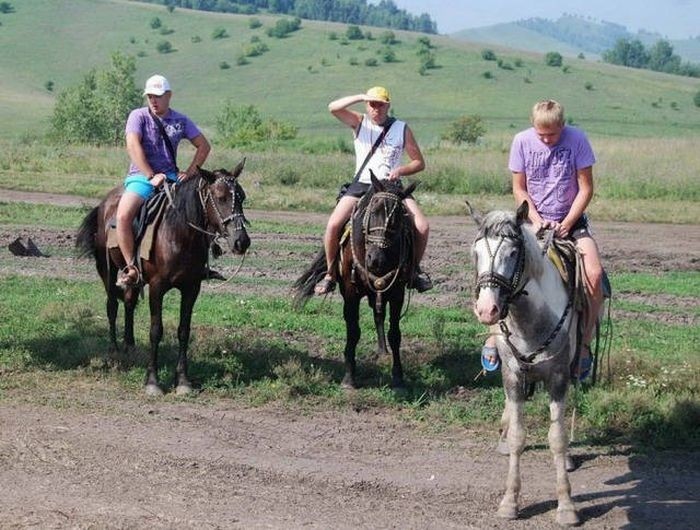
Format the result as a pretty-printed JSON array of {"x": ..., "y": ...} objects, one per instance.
[{"x": 675, "y": 19}]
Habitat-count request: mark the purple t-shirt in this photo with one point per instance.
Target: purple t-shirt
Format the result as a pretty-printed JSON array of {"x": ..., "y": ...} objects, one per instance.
[
  {"x": 177, "y": 126},
  {"x": 550, "y": 172}
]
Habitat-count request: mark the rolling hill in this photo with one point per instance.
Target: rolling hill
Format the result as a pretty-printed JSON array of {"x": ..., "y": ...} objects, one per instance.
[{"x": 58, "y": 42}]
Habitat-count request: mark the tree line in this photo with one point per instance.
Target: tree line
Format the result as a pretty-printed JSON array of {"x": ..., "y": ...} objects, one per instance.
[
  {"x": 383, "y": 14},
  {"x": 659, "y": 57}
]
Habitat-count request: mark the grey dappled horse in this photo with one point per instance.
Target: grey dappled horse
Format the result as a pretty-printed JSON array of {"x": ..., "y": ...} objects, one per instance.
[{"x": 534, "y": 316}]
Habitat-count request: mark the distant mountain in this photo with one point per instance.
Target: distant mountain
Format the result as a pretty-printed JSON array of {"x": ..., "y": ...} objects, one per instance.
[{"x": 570, "y": 35}]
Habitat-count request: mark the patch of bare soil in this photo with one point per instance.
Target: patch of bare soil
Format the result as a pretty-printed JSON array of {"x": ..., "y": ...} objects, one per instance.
[{"x": 84, "y": 458}]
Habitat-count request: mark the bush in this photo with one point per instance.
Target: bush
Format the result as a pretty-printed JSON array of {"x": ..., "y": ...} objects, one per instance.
[
  {"x": 156, "y": 23},
  {"x": 223, "y": 65},
  {"x": 164, "y": 46},
  {"x": 219, "y": 33},
  {"x": 240, "y": 126},
  {"x": 553, "y": 59},
  {"x": 466, "y": 129},
  {"x": 696, "y": 99},
  {"x": 588, "y": 85},
  {"x": 354, "y": 33},
  {"x": 254, "y": 23},
  {"x": 488, "y": 55},
  {"x": 95, "y": 111},
  {"x": 284, "y": 27},
  {"x": 388, "y": 55},
  {"x": 388, "y": 38},
  {"x": 371, "y": 62}
]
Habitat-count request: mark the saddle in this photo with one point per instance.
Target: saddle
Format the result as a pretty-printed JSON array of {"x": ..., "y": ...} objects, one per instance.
[{"x": 145, "y": 225}]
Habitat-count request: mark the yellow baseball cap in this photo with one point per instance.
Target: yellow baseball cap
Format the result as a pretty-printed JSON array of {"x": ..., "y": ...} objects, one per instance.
[{"x": 379, "y": 93}]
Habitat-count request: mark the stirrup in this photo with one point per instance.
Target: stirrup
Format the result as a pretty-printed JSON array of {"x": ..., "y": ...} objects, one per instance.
[
  {"x": 421, "y": 282},
  {"x": 125, "y": 277},
  {"x": 585, "y": 364}
]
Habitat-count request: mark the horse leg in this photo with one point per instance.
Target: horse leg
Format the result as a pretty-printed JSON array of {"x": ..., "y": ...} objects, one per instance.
[
  {"x": 508, "y": 508},
  {"x": 558, "y": 443},
  {"x": 187, "y": 300},
  {"x": 502, "y": 445},
  {"x": 379, "y": 318},
  {"x": 351, "y": 314},
  {"x": 395, "y": 307},
  {"x": 155, "y": 300},
  {"x": 131, "y": 298},
  {"x": 112, "y": 310}
]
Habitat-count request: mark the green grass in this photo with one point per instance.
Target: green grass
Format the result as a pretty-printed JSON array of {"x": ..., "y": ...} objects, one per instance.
[
  {"x": 299, "y": 75},
  {"x": 258, "y": 349}
]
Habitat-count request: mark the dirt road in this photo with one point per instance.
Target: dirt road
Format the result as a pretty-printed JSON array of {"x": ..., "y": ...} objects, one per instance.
[{"x": 86, "y": 456}]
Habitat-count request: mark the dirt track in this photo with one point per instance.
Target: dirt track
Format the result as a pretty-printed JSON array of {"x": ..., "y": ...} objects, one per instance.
[{"x": 88, "y": 457}]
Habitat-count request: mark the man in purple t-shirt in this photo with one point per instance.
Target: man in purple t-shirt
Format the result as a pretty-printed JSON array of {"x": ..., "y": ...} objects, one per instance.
[
  {"x": 552, "y": 166},
  {"x": 152, "y": 162}
]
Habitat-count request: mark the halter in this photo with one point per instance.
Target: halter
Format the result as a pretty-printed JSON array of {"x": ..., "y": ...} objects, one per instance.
[
  {"x": 206, "y": 198},
  {"x": 491, "y": 278},
  {"x": 377, "y": 235}
]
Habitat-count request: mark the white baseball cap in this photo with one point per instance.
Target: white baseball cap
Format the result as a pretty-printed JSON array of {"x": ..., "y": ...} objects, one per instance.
[{"x": 156, "y": 85}]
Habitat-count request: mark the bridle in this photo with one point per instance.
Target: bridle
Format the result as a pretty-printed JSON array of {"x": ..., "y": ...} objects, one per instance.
[
  {"x": 512, "y": 286},
  {"x": 379, "y": 236},
  {"x": 237, "y": 217}
]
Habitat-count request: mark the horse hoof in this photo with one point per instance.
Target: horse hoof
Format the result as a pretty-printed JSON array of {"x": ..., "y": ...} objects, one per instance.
[
  {"x": 570, "y": 464},
  {"x": 183, "y": 390},
  {"x": 507, "y": 511},
  {"x": 153, "y": 390},
  {"x": 567, "y": 517}
]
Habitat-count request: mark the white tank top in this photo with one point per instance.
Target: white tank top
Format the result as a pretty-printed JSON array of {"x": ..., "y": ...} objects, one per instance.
[{"x": 388, "y": 154}]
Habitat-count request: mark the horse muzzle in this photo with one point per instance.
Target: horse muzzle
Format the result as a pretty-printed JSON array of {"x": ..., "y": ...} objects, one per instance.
[{"x": 239, "y": 242}]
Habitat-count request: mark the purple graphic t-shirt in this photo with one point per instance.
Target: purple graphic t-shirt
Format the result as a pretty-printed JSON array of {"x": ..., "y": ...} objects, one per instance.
[
  {"x": 551, "y": 171},
  {"x": 177, "y": 126}
]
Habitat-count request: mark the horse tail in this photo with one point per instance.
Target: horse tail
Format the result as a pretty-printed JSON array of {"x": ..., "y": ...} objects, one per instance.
[
  {"x": 85, "y": 241},
  {"x": 304, "y": 286}
]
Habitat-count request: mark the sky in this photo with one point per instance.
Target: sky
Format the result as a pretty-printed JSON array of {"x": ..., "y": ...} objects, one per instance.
[{"x": 674, "y": 19}]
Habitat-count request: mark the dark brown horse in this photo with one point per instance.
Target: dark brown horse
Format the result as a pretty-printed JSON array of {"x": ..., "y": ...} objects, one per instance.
[
  {"x": 376, "y": 261},
  {"x": 205, "y": 208}
]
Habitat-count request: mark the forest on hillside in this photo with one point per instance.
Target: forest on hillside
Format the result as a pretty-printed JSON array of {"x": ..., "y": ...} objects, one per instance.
[{"x": 383, "y": 14}]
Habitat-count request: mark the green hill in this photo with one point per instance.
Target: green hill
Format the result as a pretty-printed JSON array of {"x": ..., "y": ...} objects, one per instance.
[{"x": 59, "y": 42}]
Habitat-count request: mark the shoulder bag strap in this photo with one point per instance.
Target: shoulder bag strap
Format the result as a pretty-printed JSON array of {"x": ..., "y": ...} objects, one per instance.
[
  {"x": 166, "y": 138},
  {"x": 387, "y": 125}
]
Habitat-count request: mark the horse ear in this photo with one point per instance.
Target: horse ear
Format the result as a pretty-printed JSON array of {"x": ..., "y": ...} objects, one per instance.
[
  {"x": 478, "y": 218},
  {"x": 376, "y": 183},
  {"x": 237, "y": 170},
  {"x": 522, "y": 214},
  {"x": 206, "y": 175}
]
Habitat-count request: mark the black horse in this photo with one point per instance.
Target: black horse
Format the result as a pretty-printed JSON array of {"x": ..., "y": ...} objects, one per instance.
[
  {"x": 376, "y": 261},
  {"x": 205, "y": 208}
]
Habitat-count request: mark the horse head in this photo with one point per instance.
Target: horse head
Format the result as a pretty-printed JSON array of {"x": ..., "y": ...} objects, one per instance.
[
  {"x": 499, "y": 262},
  {"x": 223, "y": 202},
  {"x": 382, "y": 232}
]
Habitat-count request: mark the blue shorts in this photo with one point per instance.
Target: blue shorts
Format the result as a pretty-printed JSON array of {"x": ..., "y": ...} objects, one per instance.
[{"x": 140, "y": 185}]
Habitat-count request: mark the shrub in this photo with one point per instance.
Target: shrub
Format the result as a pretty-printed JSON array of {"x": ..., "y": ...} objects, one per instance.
[
  {"x": 466, "y": 129},
  {"x": 388, "y": 38},
  {"x": 371, "y": 62},
  {"x": 332, "y": 36},
  {"x": 254, "y": 23},
  {"x": 49, "y": 86},
  {"x": 354, "y": 32},
  {"x": 240, "y": 126},
  {"x": 156, "y": 23},
  {"x": 164, "y": 46},
  {"x": 284, "y": 27},
  {"x": 195, "y": 39},
  {"x": 223, "y": 65},
  {"x": 219, "y": 33},
  {"x": 487, "y": 75},
  {"x": 388, "y": 55},
  {"x": 588, "y": 85},
  {"x": 553, "y": 59},
  {"x": 488, "y": 55},
  {"x": 696, "y": 99},
  {"x": 95, "y": 110}
]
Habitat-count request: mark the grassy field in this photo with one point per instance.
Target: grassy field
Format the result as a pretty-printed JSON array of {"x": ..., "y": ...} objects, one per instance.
[{"x": 299, "y": 75}]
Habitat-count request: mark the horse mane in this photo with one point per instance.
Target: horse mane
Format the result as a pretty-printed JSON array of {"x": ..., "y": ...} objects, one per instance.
[{"x": 187, "y": 206}]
